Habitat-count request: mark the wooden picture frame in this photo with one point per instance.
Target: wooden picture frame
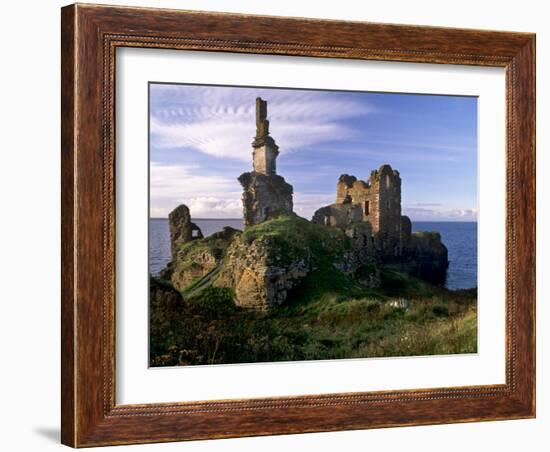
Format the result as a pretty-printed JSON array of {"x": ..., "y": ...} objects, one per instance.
[{"x": 90, "y": 36}]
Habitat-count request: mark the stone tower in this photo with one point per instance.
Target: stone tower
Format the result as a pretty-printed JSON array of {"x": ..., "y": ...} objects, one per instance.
[
  {"x": 376, "y": 201},
  {"x": 266, "y": 195},
  {"x": 379, "y": 198},
  {"x": 386, "y": 216},
  {"x": 265, "y": 151}
]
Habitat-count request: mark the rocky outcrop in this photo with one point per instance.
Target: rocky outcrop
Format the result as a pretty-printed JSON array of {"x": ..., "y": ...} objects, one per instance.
[
  {"x": 263, "y": 263},
  {"x": 425, "y": 256},
  {"x": 264, "y": 197},
  {"x": 260, "y": 279},
  {"x": 182, "y": 229},
  {"x": 163, "y": 294},
  {"x": 269, "y": 260},
  {"x": 199, "y": 259}
]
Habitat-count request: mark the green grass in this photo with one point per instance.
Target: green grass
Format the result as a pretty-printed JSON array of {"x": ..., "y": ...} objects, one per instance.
[
  {"x": 330, "y": 317},
  {"x": 290, "y": 237}
]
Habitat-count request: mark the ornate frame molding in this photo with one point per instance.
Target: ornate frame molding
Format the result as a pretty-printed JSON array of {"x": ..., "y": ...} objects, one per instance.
[{"x": 90, "y": 37}]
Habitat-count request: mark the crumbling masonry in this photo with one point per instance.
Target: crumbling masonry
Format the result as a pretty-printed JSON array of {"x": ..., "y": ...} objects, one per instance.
[
  {"x": 260, "y": 273},
  {"x": 182, "y": 229},
  {"x": 265, "y": 194},
  {"x": 376, "y": 201}
]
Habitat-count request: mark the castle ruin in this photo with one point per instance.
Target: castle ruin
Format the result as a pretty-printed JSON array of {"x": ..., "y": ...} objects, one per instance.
[
  {"x": 376, "y": 201},
  {"x": 265, "y": 193},
  {"x": 372, "y": 233}
]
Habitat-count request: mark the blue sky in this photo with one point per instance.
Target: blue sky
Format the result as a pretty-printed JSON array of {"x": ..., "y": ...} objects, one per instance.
[{"x": 200, "y": 142}]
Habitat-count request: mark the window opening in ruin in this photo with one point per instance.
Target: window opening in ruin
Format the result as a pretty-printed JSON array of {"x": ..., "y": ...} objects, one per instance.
[{"x": 367, "y": 208}]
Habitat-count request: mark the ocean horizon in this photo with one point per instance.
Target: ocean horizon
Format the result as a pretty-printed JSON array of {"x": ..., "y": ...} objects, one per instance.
[{"x": 460, "y": 238}]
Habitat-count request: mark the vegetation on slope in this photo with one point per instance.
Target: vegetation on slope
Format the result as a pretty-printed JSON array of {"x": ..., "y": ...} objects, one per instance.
[
  {"x": 330, "y": 316},
  {"x": 290, "y": 237}
]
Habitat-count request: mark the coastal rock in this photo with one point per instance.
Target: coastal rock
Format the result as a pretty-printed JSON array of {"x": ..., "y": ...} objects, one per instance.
[
  {"x": 182, "y": 229},
  {"x": 361, "y": 251},
  {"x": 260, "y": 280},
  {"x": 268, "y": 260},
  {"x": 198, "y": 261},
  {"x": 425, "y": 256},
  {"x": 163, "y": 294},
  {"x": 360, "y": 260}
]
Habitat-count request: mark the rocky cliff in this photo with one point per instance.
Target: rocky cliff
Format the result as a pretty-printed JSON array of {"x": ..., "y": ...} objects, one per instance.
[
  {"x": 425, "y": 256},
  {"x": 263, "y": 264},
  {"x": 196, "y": 262},
  {"x": 266, "y": 261}
]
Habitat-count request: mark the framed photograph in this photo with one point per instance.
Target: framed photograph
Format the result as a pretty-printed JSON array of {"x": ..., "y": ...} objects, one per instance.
[{"x": 280, "y": 225}]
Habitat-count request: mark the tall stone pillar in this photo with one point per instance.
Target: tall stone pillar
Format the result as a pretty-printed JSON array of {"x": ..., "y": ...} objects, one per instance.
[{"x": 265, "y": 194}]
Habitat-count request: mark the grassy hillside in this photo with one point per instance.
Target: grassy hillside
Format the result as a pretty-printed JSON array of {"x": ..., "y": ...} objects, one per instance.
[
  {"x": 290, "y": 237},
  {"x": 329, "y": 316}
]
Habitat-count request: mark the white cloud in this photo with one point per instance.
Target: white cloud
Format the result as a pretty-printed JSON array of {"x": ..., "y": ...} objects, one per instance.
[
  {"x": 305, "y": 204},
  {"x": 440, "y": 213},
  {"x": 232, "y": 137},
  {"x": 220, "y": 122},
  {"x": 207, "y": 196},
  {"x": 213, "y": 196}
]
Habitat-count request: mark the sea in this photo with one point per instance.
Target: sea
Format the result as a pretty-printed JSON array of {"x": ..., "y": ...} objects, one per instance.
[{"x": 459, "y": 237}]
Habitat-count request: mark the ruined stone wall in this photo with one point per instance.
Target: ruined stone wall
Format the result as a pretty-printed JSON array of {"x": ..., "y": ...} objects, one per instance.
[
  {"x": 338, "y": 215},
  {"x": 406, "y": 229},
  {"x": 182, "y": 229},
  {"x": 377, "y": 202},
  {"x": 343, "y": 188},
  {"x": 351, "y": 190},
  {"x": 387, "y": 183},
  {"x": 264, "y": 159},
  {"x": 264, "y": 197}
]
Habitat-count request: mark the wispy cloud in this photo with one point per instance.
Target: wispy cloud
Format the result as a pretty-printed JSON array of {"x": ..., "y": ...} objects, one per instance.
[
  {"x": 220, "y": 122},
  {"x": 201, "y": 141}
]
